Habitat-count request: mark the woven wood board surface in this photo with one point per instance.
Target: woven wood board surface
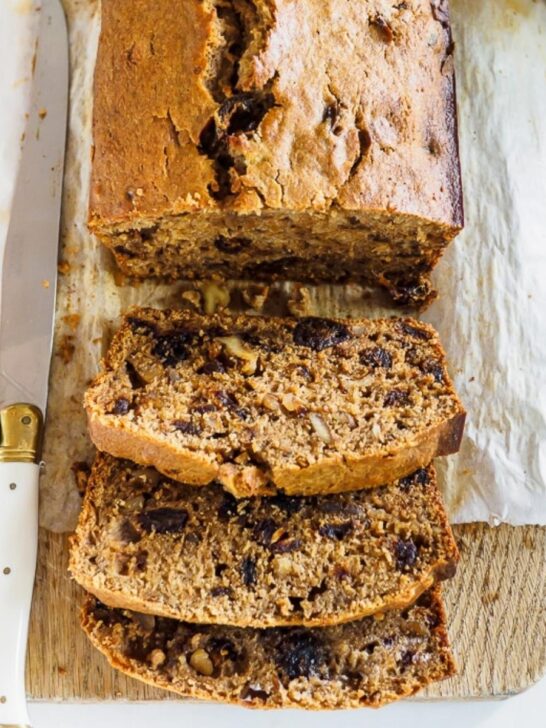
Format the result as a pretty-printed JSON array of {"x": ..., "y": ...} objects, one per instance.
[{"x": 496, "y": 606}]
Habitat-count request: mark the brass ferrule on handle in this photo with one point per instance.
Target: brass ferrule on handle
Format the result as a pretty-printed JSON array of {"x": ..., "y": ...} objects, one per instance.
[{"x": 20, "y": 434}]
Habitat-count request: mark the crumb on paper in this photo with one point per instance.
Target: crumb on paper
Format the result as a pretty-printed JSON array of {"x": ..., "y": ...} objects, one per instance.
[
  {"x": 120, "y": 279},
  {"x": 72, "y": 320},
  {"x": 45, "y": 283},
  {"x": 71, "y": 249},
  {"x": 42, "y": 113},
  {"x": 66, "y": 348}
]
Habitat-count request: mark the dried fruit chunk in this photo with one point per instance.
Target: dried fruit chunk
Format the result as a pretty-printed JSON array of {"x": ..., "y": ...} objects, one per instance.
[
  {"x": 248, "y": 571},
  {"x": 186, "y": 427},
  {"x": 301, "y": 654},
  {"x": 172, "y": 347},
  {"x": 435, "y": 368},
  {"x": 395, "y": 397},
  {"x": 121, "y": 406},
  {"x": 383, "y": 28},
  {"x": 375, "y": 357},
  {"x": 419, "y": 477},
  {"x": 415, "y": 332},
  {"x": 406, "y": 552},
  {"x": 163, "y": 520},
  {"x": 263, "y": 531},
  {"x": 320, "y": 333},
  {"x": 253, "y": 692},
  {"x": 336, "y": 531}
]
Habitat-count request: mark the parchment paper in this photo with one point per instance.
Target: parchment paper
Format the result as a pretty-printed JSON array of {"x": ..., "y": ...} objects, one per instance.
[{"x": 492, "y": 310}]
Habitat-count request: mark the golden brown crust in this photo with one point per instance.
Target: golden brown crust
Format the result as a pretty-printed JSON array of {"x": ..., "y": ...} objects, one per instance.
[
  {"x": 142, "y": 128},
  {"x": 338, "y": 558},
  {"x": 334, "y": 475},
  {"x": 142, "y": 48},
  {"x": 365, "y": 663}
]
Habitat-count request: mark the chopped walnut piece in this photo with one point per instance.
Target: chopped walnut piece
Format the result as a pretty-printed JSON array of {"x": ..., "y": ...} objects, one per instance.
[
  {"x": 235, "y": 347},
  {"x": 156, "y": 658},
  {"x": 282, "y": 566},
  {"x": 294, "y": 405},
  {"x": 270, "y": 402},
  {"x": 321, "y": 428},
  {"x": 215, "y": 297},
  {"x": 201, "y": 662}
]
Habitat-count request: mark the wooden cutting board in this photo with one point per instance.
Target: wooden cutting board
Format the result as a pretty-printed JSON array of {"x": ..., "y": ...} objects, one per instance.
[
  {"x": 496, "y": 607},
  {"x": 497, "y": 602}
]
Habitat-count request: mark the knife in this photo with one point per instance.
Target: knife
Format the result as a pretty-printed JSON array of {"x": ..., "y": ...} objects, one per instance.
[{"x": 27, "y": 308}]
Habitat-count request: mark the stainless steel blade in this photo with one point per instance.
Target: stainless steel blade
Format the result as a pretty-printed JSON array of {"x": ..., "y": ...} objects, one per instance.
[{"x": 29, "y": 269}]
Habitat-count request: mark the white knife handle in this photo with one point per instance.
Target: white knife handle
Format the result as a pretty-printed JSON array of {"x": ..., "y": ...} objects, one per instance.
[{"x": 18, "y": 548}]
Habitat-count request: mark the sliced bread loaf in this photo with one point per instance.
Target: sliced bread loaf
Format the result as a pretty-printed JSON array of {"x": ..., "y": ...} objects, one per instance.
[
  {"x": 197, "y": 554},
  {"x": 307, "y": 406},
  {"x": 365, "y": 663}
]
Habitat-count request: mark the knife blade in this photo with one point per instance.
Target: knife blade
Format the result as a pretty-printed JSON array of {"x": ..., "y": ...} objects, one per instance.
[{"x": 27, "y": 308}]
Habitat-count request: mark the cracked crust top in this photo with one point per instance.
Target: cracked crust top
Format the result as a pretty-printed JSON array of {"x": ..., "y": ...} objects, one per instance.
[{"x": 253, "y": 104}]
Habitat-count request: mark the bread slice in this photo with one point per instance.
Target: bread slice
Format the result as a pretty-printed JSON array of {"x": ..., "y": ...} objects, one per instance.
[
  {"x": 365, "y": 663},
  {"x": 199, "y": 555},
  {"x": 305, "y": 405}
]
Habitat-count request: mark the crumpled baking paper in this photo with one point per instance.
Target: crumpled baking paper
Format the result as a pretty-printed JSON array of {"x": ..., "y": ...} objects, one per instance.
[{"x": 492, "y": 311}]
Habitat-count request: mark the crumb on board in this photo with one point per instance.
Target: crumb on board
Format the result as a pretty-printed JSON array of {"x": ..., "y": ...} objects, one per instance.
[
  {"x": 299, "y": 300},
  {"x": 45, "y": 283}
]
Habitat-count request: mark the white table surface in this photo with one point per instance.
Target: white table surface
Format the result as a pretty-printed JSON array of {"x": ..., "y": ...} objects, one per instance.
[{"x": 527, "y": 710}]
